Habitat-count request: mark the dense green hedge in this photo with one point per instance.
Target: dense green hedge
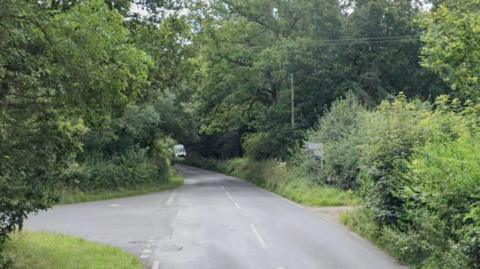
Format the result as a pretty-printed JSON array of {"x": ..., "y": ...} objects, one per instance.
[
  {"x": 417, "y": 168},
  {"x": 135, "y": 168}
]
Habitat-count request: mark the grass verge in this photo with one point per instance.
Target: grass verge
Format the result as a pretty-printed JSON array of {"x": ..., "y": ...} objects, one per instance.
[
  {"x": 277, "y": 178},
  {"x": 79, "y": 197},
  {"x": 41, "y": 250},
  {"x": 361, "y": 222},
  {"x": 310, "y": 194}
]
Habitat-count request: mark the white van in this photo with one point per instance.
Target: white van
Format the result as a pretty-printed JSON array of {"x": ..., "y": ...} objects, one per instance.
[{"x": 179, "y": 150}]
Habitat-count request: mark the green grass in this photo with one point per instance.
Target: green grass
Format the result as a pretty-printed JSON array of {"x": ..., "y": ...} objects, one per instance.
[
  {"x": 360, "y": 221},
  {"x": 37, "y": 250},
  {"x": 313, "y": 195},
  {"x": 79, "y": 197}
]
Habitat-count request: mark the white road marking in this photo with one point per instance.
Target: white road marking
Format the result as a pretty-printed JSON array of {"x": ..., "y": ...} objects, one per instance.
[
  {"x": 280, "y": 267},
  {"x": 114, "y": 205},
  {"x": 259, "y": 237},
  {"x": 231, "y": 199},
  {"x": 229, "y": 196},
  {"x": 170, "y": 199},
  {"x": 144, "y": 256},
  {"x": 155, "y": 265},
  {"x": 147, "y": 251}
]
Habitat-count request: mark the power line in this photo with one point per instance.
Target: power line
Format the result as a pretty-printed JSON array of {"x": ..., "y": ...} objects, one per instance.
[
  {"x": 369, "y": 40},
  {"x": 372, "y": 38}
]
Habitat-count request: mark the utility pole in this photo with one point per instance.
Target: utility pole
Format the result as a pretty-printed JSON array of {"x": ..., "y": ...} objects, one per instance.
[{"x": 292, "y": 101}]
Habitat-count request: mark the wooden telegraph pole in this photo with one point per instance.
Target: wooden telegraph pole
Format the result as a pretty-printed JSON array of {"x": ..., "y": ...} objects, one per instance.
[{"x": 292, "y": 101}]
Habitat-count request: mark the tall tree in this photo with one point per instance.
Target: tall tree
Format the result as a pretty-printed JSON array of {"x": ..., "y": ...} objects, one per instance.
[
  {"x": 256, "y": 55},
  {"x": 382, "y": 52},
  {"x": 59, "y": 72},
  {"x": 452, "y": 45}
]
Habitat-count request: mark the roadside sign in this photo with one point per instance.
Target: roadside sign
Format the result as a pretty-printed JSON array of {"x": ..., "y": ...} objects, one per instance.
[{"x": 316, "y": 149}]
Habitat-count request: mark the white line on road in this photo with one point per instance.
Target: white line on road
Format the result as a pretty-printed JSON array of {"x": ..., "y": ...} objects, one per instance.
[
  {"x": 259, "y": 237},
  {"x": 229, "y": 196},
  {"x": 231, "y": 199},
  {"x": 155, "y": 265},
  {"x": 114, "y": 205},
  {"x": 280, "y": 268},
  {"x": 170, "y": 199}
]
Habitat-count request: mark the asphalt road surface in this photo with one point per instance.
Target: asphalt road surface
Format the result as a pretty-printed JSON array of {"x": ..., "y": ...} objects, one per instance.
[{"x": 218, "y": 222}]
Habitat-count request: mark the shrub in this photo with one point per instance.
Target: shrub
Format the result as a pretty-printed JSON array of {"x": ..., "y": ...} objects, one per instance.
[
  {"x": 260, "y": 146},
  {"x": 389, "y": 136},
  {"x": 202, "y": 162},
  {"x": 420, "y": 176},
  {"x": 338, "y": 131},
  {"x": 443, "y": 201},
  {"x": 133, "y": 168}
]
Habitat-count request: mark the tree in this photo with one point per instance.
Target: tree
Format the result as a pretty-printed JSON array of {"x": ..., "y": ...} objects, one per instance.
[
  {"x": 382, "y": 52},
  {"x": 251, "y": 51},
  {"x": 59, "y": 74},
  {"x": 452, "y": 45}
]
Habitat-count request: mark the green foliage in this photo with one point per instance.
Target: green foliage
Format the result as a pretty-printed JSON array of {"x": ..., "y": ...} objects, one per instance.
[
  {"x": 442, "y": 200},
  {"x": 419, "y": 177},
  {"x": 58, "y": 73},
  {"x": 250, "y": 51},
  {"x": 452, "y": 45},
  {"x": 390, "y": 136},
  {"x": 247, "y": 57},
  {"x": 133, "y": 168},
  {"x": 338, "y": 130},
  {"x": 81, "y": 99},
  {"x": 69, "y": 196},
  {"x": 387, "y": 62},
  {"x": 259, "y": 146}
]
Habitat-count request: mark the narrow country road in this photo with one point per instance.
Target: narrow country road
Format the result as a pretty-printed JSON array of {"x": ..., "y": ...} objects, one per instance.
[{"x": 218, "y": 222}]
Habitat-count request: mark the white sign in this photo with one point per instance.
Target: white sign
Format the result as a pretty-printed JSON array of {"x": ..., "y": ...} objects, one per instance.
[{"x": 315, "y": 148}]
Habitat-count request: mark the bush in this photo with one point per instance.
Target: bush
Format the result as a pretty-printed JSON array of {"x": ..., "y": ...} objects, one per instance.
[
  {"x": 338, "y": 131},
  {"x": 134, "y": 168},
  {"x": 420, "y": 176},
  {"x": 443, "y": 201},
  {"x": 260, "y": 146},
  {"x": 390, "y": 136}
]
